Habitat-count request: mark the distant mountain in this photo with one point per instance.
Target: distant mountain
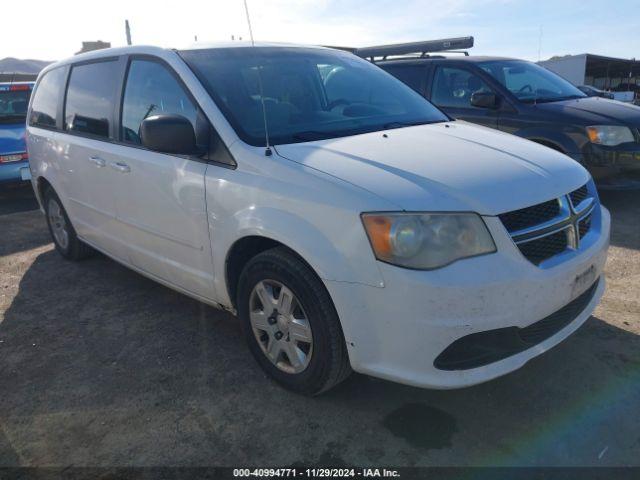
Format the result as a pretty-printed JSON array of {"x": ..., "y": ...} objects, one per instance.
[{"x": 15, "y": 65}]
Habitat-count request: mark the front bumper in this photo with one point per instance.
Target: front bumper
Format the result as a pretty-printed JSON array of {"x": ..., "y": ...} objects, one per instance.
[
  {"x": 14, "y": 172},
  {"x": 613, "y": 167},
  {"x": 398, "y": 331}
]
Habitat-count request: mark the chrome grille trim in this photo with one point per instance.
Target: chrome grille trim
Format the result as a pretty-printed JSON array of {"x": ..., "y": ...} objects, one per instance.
[
  {"x": 561, "y": 222},
  {"x": 556, "y": 228},
  {"x": 572, "y": 219}
]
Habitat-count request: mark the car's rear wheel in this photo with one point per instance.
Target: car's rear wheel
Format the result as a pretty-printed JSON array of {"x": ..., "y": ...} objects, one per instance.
[
  {"x": 290, "y": 323},
  {"x": 62, "y": 232}
]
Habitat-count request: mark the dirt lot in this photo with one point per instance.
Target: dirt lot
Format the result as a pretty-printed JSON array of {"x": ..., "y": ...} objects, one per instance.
[{"x": 100, "y": 366}]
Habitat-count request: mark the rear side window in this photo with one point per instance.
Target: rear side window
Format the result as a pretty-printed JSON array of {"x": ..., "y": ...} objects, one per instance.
[
  {"x": 151, "y": 90},
  {"x": 453, "y": 87},
  {"x": 412, "y": 75},
  {"x": 45, "y": 100},
  {"x": 90, "y": 98}
]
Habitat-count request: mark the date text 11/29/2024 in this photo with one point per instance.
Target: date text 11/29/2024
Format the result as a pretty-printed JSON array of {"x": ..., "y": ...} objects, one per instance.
[{"x": 316, "y": 472}]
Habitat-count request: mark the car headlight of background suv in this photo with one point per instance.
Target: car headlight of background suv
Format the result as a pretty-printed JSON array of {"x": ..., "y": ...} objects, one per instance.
[
  {"x": 610, "y": 135},
  {"x": 426, "y": 241}
]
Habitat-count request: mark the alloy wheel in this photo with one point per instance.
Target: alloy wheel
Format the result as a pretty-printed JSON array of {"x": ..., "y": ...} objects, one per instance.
[
  {"x": 281, "y": 326},
  {"x": 58, "y": 224}
]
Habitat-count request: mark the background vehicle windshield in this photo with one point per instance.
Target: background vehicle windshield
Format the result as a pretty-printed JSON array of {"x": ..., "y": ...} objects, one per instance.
[
  {"x": 13, "y": 105},
  {"x": 309, "y": 93},
  {"x": 529, "y": 82}
]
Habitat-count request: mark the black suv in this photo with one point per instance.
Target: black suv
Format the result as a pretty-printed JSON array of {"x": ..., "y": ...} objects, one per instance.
[{"x": 527, "y": 100}]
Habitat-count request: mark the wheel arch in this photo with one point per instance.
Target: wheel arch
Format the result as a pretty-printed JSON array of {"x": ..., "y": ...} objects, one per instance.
[
  {"x": 561, "y": 140},
  {"x": 550, "y": 144},
  {"x": 243, "y": 250},
  {"x": 41, "y": 185},
  {"x": 332, "y": 254}
]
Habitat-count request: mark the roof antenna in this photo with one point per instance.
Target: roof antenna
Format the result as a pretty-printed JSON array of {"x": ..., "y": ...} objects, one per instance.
[
  {"x": 127, "y": 30},
  {"x": 267, "y": 150}
]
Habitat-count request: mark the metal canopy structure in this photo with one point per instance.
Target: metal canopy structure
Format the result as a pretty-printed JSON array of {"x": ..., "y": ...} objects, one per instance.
[
  {"x": 607, "y": 73},
  {"x": 610, "y": 72},
  {"x": 420, "y": 48}
]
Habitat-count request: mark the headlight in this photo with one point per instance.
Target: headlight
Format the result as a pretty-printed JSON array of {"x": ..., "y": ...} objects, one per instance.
[
  {"x": 609, "y": 135},
  {"x": 426, "y": 241}
]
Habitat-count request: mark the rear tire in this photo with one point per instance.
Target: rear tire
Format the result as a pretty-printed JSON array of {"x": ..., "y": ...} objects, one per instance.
[
  {"x": 62, "y": 232},
  {"x": 301, "y": 346}
]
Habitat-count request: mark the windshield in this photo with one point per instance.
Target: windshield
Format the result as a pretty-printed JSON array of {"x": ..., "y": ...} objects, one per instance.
[
  {"x": 309, "y": 93},
  {"x": 13, "y": 105},
  {"x": 529, "y": 82}
]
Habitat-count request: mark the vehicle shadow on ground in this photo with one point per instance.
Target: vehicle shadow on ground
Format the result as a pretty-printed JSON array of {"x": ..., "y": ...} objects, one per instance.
[
  {"x": 17, "y": 231},
  {"x": 19, "y": 235},
  {"x": 99, "y": 366},
  {"x": 18, "y": 198},
  {"x": 625, "y": 217}
]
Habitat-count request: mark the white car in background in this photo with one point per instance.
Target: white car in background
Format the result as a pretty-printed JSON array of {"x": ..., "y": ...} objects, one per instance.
[{"x": 368, "y": 232}]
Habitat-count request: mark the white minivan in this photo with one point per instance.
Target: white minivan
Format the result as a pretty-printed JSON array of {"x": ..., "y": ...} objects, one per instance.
[{"x": 349, "y": 223}]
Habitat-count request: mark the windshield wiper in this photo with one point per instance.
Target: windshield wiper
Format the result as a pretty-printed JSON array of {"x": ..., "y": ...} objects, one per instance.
[
  {"x": 314, "y": 134},
  {"x": 550, "y": 99},
  {"x": 390, "y": 125},
  {"x": 309, "y": 135}
]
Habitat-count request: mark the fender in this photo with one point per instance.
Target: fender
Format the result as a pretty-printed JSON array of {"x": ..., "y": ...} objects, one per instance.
[
  {"x": 560, "y": 140},
  {"x": 327, "y": 258},
  {"x": 45, "y": 168}
]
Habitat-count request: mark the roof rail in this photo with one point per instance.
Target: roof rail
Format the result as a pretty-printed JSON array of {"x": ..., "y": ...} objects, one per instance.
[{"x": 422, "y": 48}]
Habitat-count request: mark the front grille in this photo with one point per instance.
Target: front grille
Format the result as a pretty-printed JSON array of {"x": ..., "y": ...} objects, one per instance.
[
  {"x": 530, "y": 216},
  {"x": 549, "y": 228},
  {"x": 579, "y": 195},
  {"x": 584, "y": 226},
  {"x": 541, "y": 249},
  {"x": 483, "y": 348}
]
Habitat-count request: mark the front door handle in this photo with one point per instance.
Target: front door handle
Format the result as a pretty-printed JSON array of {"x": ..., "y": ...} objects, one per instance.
[
  {"x": 98, "y": 161},
  {"x": 120, "y": 167}
]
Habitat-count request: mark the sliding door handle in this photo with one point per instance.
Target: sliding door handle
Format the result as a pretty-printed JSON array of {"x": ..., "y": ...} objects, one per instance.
[
  {"x": 97, "y": 161},
  {"x": 120, "y": 167}
]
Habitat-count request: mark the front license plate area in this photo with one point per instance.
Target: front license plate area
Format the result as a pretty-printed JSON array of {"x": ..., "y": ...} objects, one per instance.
[{"x": 583, "y": 281}]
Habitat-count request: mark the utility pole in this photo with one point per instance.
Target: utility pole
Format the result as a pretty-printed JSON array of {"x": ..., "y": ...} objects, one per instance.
[
  {"x": 539, "y": 42},
  {"x": 128, "y": 31}
]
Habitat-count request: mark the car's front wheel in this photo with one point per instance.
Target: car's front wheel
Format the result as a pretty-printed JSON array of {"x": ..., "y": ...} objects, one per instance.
[{"x": 290, "y": 323}]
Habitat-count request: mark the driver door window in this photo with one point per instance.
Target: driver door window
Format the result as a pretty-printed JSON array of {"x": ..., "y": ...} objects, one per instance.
[
  {"x": 452, "y": 90},
  {"x": 151, "y": 90},
  {"x": 453, "y": 87}
]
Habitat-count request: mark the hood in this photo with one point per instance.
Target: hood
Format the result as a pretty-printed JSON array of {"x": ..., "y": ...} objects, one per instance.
[
  {"x": 12, "y": 138},
  {"x": 595, "y": 111},
  {"x": 453, "y": 166}
]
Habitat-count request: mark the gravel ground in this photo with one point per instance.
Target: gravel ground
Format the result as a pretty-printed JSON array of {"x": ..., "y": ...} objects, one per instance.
[{"x": 102, "y": 367}]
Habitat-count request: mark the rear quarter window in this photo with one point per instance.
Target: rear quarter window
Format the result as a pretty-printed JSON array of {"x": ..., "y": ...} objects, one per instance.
[
  {"x": 91, "y": 96},
  {"x": 45, "y": 99}
]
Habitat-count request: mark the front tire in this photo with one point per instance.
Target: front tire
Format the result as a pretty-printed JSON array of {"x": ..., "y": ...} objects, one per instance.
[
  {"x": 62, "y": 232},
  {"x": 290, "y": 323}
]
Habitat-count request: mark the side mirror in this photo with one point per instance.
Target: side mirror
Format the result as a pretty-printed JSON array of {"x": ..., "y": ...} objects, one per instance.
[
  {"x": 485, "y": 100},
  {"x": 168, "y": 133}
]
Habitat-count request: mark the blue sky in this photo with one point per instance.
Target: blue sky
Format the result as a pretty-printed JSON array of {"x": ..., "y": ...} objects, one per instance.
[
  {"x": 55, "y": 29},
  {"x": 505, "y": 27}
]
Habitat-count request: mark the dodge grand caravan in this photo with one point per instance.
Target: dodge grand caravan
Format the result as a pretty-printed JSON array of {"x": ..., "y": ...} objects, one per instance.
[
  {"x": 362, "y": 229},
  {"x": 527, "y": 100}
]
